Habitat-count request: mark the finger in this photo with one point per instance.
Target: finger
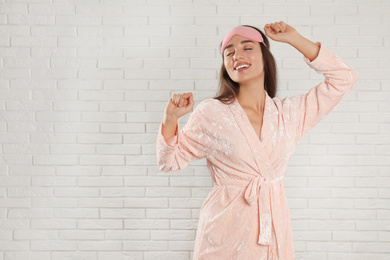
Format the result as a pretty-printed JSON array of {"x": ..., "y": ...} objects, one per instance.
[
  {"x": 277, "y": 27},
  {"x": 175, "y": 97},
  {"x": 268, "y": 28},
  {"x": 185, "y": 99},
  {"x": 178, "y": 99},
  {"x": 191, "y": 100},
  {"x": 181, "y": 98},
  {"x": 284, "y": 25},
  {"x": 274, "y": 27},
  {"x": 184, "y": 103}
]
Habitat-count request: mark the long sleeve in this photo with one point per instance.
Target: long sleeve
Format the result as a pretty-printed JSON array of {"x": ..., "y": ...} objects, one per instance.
[
  {"x": 308, "y": 109},
  {"x": 187, "y": 144}
]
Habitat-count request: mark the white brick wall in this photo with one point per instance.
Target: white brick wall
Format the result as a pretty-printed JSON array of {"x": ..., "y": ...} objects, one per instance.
[{"x": 83, "y": 86}]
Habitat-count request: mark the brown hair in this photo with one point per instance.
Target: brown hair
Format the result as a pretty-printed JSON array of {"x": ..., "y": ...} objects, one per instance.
[{"x": 228, "y": 89}]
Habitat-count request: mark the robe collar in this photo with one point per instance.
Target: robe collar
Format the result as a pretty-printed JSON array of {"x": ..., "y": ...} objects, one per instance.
[{"x": 256, "y": 144}]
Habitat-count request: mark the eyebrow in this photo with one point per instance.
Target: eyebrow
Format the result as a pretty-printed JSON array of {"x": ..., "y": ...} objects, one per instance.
[{"x": 230, "y": 45}]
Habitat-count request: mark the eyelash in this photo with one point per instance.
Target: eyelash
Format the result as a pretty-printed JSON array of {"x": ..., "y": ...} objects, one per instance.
[{"x": 244, "y": 49}]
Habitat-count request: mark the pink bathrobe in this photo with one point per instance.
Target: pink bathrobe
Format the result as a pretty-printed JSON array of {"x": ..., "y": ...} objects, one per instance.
[{"x": 245, "y": 216}]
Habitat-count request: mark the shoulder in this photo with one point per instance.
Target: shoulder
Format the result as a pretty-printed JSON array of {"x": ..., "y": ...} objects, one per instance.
[
  {"x": 288, "y": 107},
  {"x": 208, "y": 108},
  {"x": 209, "y": 104},
  {"x": 286, "y": 102},
  {"x": 210, "y": 101}
]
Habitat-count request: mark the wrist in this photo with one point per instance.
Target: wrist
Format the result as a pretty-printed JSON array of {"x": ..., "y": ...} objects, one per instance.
[
  {"x": 295, "y": 38},
  {"x": 170, "y": 118}
]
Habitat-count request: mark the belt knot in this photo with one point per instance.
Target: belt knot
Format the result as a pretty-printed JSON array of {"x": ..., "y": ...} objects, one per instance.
[{"x": 259, "y": 189}]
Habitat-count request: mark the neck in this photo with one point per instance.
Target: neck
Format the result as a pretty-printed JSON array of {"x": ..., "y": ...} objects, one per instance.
[{"x": 252, "y": 95}]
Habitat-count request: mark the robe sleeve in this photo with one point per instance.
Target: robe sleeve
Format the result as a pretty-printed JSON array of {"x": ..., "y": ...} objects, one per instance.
[
  {"x": 308, "y": 109},
  {"x": 187, "y": 144}
]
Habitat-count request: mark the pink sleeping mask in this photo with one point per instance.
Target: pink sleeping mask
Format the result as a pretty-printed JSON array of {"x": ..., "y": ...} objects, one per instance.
[{"x": 244, "y": 31}]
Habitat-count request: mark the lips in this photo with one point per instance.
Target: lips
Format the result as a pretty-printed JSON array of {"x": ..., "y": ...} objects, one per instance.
[
  {"x": 241, "y": 70},
  {"x": 240, "y": 64}
]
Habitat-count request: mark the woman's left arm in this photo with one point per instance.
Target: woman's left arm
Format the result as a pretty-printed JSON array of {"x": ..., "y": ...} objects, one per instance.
[
  {"x": 308, "y": 48},
  {"x": 307, "y": 110}
]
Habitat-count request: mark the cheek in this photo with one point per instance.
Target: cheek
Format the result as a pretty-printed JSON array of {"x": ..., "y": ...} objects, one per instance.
[
  {"x": 227, "y": 64},
  {"x": 259, "y": 64}
]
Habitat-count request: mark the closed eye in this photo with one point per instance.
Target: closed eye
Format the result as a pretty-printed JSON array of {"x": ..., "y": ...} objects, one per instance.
[{"x": 244, "y": 49}]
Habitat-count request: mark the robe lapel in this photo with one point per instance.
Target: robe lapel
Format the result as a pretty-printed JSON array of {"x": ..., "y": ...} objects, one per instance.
[{"x": 257, "y": 146}]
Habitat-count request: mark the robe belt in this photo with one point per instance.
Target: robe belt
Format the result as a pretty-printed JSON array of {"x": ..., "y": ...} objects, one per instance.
[{"x": 258, "y": 189}]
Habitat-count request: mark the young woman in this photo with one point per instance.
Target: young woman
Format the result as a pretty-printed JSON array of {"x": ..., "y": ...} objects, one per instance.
[{"x": 248, "y": 137}]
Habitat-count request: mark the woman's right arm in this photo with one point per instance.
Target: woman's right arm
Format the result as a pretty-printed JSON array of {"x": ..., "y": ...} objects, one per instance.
[
  {"x": 175, "y": 147},
  {"x": 169, "y": 125}
]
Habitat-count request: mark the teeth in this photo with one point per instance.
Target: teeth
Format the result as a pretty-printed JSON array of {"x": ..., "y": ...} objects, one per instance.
[{"x": 242, "y": 66}]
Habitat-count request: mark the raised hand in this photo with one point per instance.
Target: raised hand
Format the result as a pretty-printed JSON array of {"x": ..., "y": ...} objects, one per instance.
[
  {"x": 179, "y": 105},
  {"x": 280, "y": 32}
]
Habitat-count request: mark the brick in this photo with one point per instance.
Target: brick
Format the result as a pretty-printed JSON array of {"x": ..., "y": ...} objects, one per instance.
[{"x": 82, "y": 234}]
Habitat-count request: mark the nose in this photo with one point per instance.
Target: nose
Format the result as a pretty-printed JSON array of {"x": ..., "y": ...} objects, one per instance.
[{"x": 237, "y": 54}]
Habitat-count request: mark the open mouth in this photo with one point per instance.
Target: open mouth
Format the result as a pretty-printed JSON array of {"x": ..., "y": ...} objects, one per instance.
[{"x": 242, "y": 67}]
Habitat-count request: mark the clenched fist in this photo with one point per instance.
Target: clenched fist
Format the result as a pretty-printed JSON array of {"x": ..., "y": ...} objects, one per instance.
[
  {"x": 179, "y": 105},
  {"x": 280, "y": 31}
]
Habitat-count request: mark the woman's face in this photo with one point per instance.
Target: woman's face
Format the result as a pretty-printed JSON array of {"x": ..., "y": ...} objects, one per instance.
[{"x": 240, "y": 51}]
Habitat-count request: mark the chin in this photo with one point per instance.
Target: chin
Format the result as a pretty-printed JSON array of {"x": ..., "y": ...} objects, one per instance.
[{"x": 242, "y": 80}]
